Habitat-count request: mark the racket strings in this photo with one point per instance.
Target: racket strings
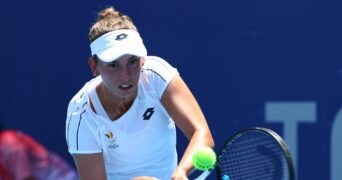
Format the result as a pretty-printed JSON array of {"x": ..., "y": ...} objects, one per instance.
[{"x": 253, "y": 156}]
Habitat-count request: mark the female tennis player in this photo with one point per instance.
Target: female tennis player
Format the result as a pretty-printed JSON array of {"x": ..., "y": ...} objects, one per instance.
[{"x": 122, "y": 123}]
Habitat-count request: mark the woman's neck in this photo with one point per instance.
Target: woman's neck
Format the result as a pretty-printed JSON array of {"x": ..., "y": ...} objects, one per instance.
[{"x": 114, "y": 106}]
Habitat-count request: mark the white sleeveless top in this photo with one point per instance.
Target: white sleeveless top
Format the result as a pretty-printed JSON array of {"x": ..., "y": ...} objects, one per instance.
[{"x": 142, "y": 142}]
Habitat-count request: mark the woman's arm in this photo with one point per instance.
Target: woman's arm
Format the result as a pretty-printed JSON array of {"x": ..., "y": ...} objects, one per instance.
[
  {"x": 187, "y": 114},
  {"x": 90, "y": 166}
]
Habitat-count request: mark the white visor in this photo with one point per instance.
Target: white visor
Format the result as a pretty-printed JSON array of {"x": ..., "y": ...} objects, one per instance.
[{"x": 115, "y": 44}]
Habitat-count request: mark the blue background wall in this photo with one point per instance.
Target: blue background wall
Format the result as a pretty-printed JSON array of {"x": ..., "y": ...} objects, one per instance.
[{"x": 266, "y": 63}]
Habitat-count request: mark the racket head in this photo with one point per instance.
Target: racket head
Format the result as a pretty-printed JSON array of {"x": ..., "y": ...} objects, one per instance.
[{"x": 255, "y": 153}]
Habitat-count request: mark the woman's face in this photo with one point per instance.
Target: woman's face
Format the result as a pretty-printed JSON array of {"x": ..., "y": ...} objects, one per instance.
[{"x": 121, "y": 76}]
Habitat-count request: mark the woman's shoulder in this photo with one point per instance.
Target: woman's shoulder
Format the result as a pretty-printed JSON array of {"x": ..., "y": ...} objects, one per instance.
[
  {"x": 153, "y": 62},
  {"x": 81, "y": 96},
  {"x": 156, "y": 74},
  {"x": 157, "y": 65}
]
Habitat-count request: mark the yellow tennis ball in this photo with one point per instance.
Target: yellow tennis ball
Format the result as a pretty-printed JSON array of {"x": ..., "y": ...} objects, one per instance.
[{"x": 204, "y": 158}]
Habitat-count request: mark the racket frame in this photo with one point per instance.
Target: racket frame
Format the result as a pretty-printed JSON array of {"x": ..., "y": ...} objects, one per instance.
[{"x": 274, "y": 135}]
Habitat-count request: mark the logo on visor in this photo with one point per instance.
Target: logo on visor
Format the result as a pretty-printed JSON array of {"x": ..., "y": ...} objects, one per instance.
[{"x": 121, "y": 36}]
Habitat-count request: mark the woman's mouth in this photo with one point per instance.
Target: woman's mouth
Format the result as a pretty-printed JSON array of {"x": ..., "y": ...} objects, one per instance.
[{"x": 125, "y": 86}]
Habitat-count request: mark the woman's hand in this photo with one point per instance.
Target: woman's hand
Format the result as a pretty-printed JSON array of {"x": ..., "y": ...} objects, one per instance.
[{"x": 179, "y": 175}]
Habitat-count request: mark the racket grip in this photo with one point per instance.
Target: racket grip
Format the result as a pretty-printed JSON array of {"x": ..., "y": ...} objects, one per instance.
[{"x": 204, "y": 175}]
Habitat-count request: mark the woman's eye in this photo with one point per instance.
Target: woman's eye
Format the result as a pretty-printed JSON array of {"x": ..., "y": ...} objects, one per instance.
[
  {"x": 114, "y": 65},
  {"x": 133, "y": 60}
]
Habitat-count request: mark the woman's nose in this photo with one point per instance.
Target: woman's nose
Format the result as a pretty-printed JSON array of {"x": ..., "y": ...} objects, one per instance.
[{"x": 124, "y": 73}]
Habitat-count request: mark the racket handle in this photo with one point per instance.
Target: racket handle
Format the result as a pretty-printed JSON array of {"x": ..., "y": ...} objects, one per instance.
[{"x": 204, "y": 175}]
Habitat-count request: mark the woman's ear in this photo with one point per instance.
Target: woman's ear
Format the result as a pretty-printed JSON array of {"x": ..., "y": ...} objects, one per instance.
[{"x": 93, "y": 66}]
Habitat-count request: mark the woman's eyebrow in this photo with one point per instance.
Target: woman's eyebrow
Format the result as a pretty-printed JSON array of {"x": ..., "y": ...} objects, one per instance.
[
  {"x": 111, "y": 63},
  {"x": 133, "y": 57}
]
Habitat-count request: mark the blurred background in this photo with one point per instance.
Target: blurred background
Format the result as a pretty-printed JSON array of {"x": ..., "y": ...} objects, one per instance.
[{"x": 269, "y": 63}]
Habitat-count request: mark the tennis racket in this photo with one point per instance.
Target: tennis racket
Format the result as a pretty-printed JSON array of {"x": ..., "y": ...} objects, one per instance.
[{"x": 253, "y": 154}]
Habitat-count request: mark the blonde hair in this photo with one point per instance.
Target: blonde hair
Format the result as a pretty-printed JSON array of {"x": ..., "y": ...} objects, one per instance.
[{"x": 108, "y": 20}]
